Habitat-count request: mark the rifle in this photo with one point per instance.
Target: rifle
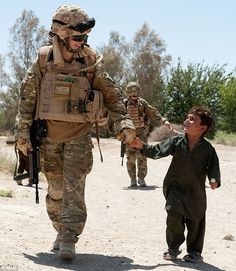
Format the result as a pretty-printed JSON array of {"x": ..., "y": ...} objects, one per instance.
[
  {"x": 122, "y": 152},
  {"x": 38, "y": 131}
]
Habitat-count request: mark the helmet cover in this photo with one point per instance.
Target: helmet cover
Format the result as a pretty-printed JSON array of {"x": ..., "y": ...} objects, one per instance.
[
  {"x": 70, "y": 20},
  {"x": 132, "y": 89}
]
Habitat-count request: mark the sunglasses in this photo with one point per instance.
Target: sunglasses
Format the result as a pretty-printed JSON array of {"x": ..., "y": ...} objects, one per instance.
[{"x": 80, "y": 38}]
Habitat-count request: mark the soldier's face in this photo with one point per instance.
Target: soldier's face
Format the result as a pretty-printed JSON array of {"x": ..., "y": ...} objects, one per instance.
[
  {"x": 134, "y": 98},
  {"x": 76, "y": 42}
]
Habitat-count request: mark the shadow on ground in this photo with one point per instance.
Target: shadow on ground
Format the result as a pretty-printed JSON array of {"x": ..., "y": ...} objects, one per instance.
[
  {"x": 98, "y": 262},
  {"x": 192, "y": 266},
  {"x": 88, "y": 262},
  {"x": 146, "y": 188}
]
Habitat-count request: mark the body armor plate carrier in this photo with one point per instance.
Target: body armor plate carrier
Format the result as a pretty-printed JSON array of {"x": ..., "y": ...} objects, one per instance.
[{"x": 66, "y": 95}]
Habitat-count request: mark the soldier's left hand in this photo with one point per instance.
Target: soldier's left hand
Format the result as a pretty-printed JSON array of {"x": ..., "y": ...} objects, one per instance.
[{"x": 126, "y": 135}]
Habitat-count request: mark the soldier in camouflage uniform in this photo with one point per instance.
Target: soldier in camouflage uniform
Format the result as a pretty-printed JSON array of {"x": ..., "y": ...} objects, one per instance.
[
  {"x": 68, "y": 92},
  {"x": 140, "y": 112}
]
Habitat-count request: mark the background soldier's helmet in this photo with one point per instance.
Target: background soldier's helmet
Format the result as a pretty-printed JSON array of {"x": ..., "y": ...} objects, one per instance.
[
  {"x": 133, "y": 89},
  {"x": 70, "y": 20}
]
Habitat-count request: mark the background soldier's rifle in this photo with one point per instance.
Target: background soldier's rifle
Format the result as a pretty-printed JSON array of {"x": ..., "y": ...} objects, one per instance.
[{"x": 38, "y": 131}]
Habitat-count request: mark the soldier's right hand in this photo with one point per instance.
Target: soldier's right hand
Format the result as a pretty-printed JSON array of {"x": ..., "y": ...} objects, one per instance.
[
  {"x": 24, "y": 145},
  {"x": 126, "y": 135}
]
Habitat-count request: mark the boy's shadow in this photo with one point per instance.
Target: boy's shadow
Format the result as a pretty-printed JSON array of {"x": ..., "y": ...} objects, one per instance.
[
  {"x": 88, "y": 262},
  {"x": 197, "y": 266}
]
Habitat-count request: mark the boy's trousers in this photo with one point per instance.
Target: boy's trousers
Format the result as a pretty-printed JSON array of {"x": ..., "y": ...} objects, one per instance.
[{"x": 175, "y": 236}]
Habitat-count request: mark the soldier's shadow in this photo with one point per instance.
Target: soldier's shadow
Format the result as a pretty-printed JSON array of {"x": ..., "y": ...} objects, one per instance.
[
  {"x": 146, "y": 188},
  {"x": 88, "y": 262}
]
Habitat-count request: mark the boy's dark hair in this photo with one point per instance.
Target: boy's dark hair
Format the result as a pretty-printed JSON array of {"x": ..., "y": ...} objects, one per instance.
[{"x": 204, "y": 114}]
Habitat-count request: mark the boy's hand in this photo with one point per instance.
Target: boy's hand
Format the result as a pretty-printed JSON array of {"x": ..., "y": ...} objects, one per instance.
[
  {"x": 213, "y": 185},
  {"x": 136, "y": 143}
]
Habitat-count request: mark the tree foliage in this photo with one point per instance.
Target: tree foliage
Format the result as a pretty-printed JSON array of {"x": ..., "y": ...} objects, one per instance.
[
  {"x": 195, "y": 85},
  {"x": 114, "y": 56},
  {"x": 148, "y": 63},
  {"x": 228, "y": 104},
  {"x": 4, "y": 78},
  {"x": 142, "y": 60},
  {"x": 26, "y": 38}
]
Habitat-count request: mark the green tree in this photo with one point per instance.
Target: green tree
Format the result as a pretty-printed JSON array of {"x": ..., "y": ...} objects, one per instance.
[
  {"x": 26, "y": 38},
  {"x": 195, "y": 85},
  {"x": 228, "y": 104},
  {"x": 114, "y": 56},
  {"x": 4, "y": 78},
  {"x": 141, "y": 60},
  {"x": 148, "y": 63}
]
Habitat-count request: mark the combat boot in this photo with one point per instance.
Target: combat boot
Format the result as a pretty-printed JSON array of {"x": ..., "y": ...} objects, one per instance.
[
  {"x": 133, "y": 183},
  {"x": 67, "y": 250},
  {"x": 56, "y": 243},
  {"x": 141, "y": 182}
]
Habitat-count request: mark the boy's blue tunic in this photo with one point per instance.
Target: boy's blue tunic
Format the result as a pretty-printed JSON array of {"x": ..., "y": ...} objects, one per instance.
[{"x": 184, "y": 183}]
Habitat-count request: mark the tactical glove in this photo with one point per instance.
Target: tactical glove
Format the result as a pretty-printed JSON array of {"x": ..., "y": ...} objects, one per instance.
[{"x": 24, "y": 145}]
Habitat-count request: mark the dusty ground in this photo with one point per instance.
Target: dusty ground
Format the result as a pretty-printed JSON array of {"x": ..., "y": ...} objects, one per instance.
[{"x": 125, "y": 229}]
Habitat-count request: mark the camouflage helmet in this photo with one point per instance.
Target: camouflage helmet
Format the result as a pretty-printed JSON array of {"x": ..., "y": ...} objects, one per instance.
[
  {"x": 70, "y": 20},
  {"x": 133, "y": 89}
]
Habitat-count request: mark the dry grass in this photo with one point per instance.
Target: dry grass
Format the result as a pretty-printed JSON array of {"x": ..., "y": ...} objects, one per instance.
[
  {"x": 6, "y": 193},
  {"x": 225, "y": 138}
]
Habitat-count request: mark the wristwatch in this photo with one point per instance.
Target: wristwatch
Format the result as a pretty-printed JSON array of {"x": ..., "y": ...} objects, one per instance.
[{"x": 213, "y": 180}]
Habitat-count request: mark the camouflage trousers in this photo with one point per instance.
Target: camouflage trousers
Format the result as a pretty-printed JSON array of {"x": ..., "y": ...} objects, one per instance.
[
  {"x": 65, "y": 166},
  {"x": 133, "y": 155}
]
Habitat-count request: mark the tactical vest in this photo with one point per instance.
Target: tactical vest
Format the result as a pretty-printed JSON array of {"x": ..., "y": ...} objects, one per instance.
[
  {"x": 138, "y": 121},
  {"x": 66, "y": 94}
]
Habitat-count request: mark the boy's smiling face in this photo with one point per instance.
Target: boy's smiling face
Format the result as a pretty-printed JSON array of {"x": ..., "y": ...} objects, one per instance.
[{"x": 193, "y": 127}]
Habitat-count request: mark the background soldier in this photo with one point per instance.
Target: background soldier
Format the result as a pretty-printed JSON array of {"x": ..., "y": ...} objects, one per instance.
[
  {"x": 140, "y": 112},
  {"x": 64, "y": 87}
]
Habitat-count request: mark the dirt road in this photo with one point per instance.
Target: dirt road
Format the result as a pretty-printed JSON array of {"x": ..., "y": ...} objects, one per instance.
[{"x": 125, "y": 228}]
